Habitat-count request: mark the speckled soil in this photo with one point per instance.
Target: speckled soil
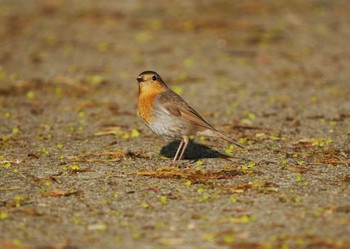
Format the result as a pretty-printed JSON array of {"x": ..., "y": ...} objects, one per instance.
[{"x": 78, "y": 169}]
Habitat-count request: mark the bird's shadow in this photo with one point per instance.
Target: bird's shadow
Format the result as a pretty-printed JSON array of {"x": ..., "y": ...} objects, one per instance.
[{"x": 193, "y": 151}]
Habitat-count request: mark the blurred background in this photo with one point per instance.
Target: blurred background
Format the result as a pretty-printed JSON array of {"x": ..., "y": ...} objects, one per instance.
[
  {"x": 229, "y": 46},
  {"x": 180, "y": 39}
]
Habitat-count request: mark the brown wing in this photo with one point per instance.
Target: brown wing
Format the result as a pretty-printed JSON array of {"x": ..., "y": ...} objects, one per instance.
[{"x": 175, "y": 105}]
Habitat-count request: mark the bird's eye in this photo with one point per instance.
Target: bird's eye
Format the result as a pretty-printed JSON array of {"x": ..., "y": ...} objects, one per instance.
[{"x": 154, "y": 78}]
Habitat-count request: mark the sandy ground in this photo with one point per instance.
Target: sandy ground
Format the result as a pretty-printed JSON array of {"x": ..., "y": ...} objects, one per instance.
[{"x": 78, "y": 169}]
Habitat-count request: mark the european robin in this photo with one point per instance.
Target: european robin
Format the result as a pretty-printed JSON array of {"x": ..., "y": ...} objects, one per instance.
[{"x": 168, "y": 115}]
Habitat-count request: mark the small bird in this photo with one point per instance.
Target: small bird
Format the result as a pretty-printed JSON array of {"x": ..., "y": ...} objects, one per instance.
[{"x": 168, "y": 115}]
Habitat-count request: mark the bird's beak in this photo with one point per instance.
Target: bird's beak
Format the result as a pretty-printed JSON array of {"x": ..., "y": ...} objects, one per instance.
[{"x": 139, "y": 79}]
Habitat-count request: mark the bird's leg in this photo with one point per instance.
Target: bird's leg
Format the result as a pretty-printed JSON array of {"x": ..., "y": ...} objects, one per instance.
[
  {"x": 178, "y": 150},
  {"x": 185, "y": 141}
]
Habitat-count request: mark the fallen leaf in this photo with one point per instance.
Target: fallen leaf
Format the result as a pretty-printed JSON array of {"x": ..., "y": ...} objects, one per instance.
[{"x": 59, "y": 193}]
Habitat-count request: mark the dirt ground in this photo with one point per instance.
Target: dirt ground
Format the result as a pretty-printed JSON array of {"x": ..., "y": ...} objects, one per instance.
[{"x": 78, "y": 169}]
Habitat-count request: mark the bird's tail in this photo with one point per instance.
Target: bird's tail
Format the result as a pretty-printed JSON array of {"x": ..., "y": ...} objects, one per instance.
[{"x": 232, "y": 141}]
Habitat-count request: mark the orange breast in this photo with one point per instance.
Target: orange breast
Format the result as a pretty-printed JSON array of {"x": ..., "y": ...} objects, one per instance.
[{"x": 147, "y": 94}]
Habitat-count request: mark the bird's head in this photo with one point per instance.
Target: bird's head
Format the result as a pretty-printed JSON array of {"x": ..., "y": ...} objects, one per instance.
[{"x": 150, "y": 81}]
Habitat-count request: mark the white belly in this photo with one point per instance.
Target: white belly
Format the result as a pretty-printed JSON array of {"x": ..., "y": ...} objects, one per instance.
[{"x": 168, "y": 125}]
